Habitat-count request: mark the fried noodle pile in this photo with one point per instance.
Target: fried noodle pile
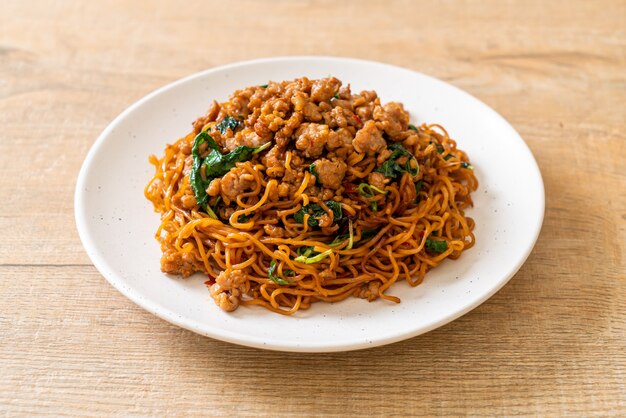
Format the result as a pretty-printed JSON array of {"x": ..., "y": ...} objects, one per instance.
[{"x": 301, "y": 191}]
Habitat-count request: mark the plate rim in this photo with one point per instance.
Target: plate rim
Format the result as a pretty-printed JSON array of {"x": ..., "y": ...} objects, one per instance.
[{"x": 89, "y": 244}]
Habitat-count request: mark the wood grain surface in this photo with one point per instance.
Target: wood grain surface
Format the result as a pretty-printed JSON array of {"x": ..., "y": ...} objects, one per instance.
[{"x": 551, "y": 342}]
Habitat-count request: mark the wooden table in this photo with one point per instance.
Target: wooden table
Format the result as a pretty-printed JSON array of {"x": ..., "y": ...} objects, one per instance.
[{"x": 551, "y": 342}]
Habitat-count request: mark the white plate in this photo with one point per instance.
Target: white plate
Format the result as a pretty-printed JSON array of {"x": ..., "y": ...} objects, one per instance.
[{"x": 117, "y": 224}]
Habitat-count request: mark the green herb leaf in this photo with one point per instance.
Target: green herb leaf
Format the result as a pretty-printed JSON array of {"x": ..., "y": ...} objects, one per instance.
[
  {"x": 210, "y": 212},
  {"x": 271, "y": 273},
  {"x": 218, "y": 164},
  {"x": 367, "y": 190},
  {"x": 306, "y": 251},
  {"x": 215, "y": 165},
  {"x": 412, "y": 127},
  {"x": 315, "y": 211},
  {"x": 436, "y": 246},
  {"x": 313, "y": 259},
  {"x": 391, "y": 168},
  {"x": 263, "y": 86},
  {"x": 244, "y": 218},
  {"x": 365, "y": 235},
  {"x": 227, "y": 123},
  {"x": 418, "y": 187},
  {"x": 313, "y": 170},
  {"x": 374, "y": 206},
  {"x": 336, "y": 95},
  {"x": 198, "y": 184},
  {"x": 340, "y": 239}
]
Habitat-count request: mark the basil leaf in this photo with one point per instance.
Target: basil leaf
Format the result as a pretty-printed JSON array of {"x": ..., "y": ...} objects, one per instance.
[
  {"x": 313, "y": 170},
  {"x": 365, "y": 235},
  {"x": 227, "y": 123},
  {"x": 418, "y": 187},
  {"x": 336, "y": 208},
  {"x": 215, "y": 164},
  {"x": 271, "y": 273},
  {"x": 391, "y": 168},
  {"x": 436, "y": 246},
  {"x": 244, "y": 218},
  {"x": 198, "y": 184},
  {"x": 218, "y": 164},
  {"x": 263, "y": 86},
  {"x": 315, "y": 211},
  {"x": 412, "y": 127},
  {"x": 336, "y": 95}
]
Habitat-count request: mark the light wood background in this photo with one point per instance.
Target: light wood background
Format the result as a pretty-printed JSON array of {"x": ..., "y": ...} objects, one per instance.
[{"x": 552, "y": 342}]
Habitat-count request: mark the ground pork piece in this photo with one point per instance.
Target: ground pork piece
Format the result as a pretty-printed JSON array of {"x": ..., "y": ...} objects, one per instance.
[
  {"x": 344, "y": 92},
  {"x": 339, "y": 138},
  {"x": 246, "y": 137},
  {"x": 260, "y": 95},
  {"x": 383, "y": 156},
  {"x": 227, "y": 301},
  {"x": 188, "y": 201},
  {"x": 325, "y": 221},
  {"x": 284, "y": 135},
  {"x": 231, "y": 279},
  {"x": 369, "y": 95},
  {"x": 240, "y": 99},
  {"x": 185, "y": 147},
  {"x": 327, "y": 274},
  {"x": 330, "y": 173},
  {"x": 311, "y": 112},
  {"x": 299, "y": 85},
  {"x": 368, "y": 291},
  {"x": 174, "y": 262},
  {"x": 377, "y": 180},
  {"x": 235, "y": 182},
  {"x": 227, "y": 289},
  {"x": 274, "y": 159},
  {"x": 214, "y": 187},
  {"x": 274, "y": 231},
  {"x": 299, "y": 100},
  {"x": 225, "y": 212},
  {"x": 325, "y": 88},
  {"x": 210, "y": 116},
  {"x": 262, "y": 129},
  {"x": 274, "y": 111},
  {"x": 338, "y": 117},
  {"x": 365, "y": 112},
  {"x": 369, "y": 140},
  {"x": 326, "y": 194},
  {"x": 344, "y": 104},
  {"x": 311, "y": 138},
  {"x": 393, "y": 118},
  {"x": 283, "y": 190}
]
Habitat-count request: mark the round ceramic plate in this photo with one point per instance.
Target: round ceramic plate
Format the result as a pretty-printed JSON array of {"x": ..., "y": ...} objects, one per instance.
[{"x": 117, "y": 224}]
